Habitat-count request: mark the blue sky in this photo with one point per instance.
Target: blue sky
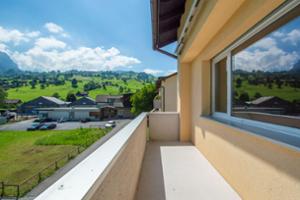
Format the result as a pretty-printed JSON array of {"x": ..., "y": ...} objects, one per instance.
[
  {"x": 278, "y": 51},
  {"x": 86, "y": 34}
]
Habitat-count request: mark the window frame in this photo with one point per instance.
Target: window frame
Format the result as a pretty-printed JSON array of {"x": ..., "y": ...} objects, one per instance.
[{"x": 227, "y": 53}]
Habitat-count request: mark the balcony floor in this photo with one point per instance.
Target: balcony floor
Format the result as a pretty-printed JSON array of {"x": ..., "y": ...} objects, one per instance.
[{"x": 178, "y": 171}]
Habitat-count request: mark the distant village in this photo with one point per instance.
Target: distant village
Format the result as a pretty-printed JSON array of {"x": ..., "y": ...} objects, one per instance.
[{"x": 83, "y": 109}]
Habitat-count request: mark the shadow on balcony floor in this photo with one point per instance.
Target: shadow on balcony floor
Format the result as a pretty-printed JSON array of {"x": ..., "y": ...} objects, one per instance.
[{"x": 174, "y": 170}]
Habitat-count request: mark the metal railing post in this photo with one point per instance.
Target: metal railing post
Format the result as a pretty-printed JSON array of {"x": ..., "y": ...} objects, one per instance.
[
  {"x": 18, "y": 191},
  {"x": 2, "y": 190}
]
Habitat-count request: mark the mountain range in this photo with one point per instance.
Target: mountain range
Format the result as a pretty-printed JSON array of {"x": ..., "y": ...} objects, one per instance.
[{"x": 7, "y": 65}]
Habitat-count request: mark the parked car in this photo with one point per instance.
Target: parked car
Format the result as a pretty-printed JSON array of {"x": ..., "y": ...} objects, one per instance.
[
  {"x": 48, "y": 126},
  {"x": 35, "y": 126},
  {"x": 85, "y": 120},
  {"x": 110, "y": 124},
  {"x": 43, "y": 120}
]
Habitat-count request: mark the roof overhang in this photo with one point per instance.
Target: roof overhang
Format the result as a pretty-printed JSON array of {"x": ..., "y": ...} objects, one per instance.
[{"x": 166, "y": 15}]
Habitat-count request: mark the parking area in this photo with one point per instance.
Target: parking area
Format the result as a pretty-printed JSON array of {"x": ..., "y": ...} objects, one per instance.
[{"x": 23, "y": 125}]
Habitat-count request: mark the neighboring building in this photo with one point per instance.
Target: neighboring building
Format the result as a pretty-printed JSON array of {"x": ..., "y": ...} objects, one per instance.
[
  {"x": 77, "y": 113},
  {"x": 82, "y": 94},
  {"x": 269, "y": 102},
  {"x": 41, "y": 102},
  {"x": 108, "y": 99},
  {"x": 167, "y": 96},
  {"x": 120, "y": 102},
  {"x": 12, "y": 102},
  {"x": 84, "y": 102}
]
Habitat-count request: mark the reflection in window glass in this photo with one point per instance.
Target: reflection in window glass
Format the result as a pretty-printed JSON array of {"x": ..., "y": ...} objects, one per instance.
[
  {"x": 221, "y": 86},
  {"x": 266, "y": 78}
]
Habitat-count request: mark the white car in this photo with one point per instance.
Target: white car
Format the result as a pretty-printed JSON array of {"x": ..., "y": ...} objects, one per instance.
[{"x": 110, "y": 124}]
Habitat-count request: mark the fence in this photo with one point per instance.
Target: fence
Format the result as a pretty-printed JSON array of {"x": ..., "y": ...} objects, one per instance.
[{"x": 19, "y": 190}]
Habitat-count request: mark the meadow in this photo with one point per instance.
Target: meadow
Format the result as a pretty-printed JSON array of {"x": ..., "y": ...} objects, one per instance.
[
  {"x": 285, "y": 92},
  {"x": 26, "y": 153},
  {"x": 26, "y": 93}
]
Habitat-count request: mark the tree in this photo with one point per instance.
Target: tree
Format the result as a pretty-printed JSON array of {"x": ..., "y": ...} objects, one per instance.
[
  {"x": 121, "y": 89},
  {"x": 74, "y": 83},
  {"x": 32, "y": 83},
  {"x": 71, "y": 97},
  {"x": 142, "y": 100},
  {"x": 244, "y": 97},
  {"x": 56, "y": 95},
  {"x": 239, "y": 82},
  {"x": 257, "y": 95},
  {"x": 3, "y": 95}
]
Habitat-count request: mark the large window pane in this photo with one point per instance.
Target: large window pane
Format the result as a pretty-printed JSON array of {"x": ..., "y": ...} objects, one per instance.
[
  {"x": 266, "y": 77},
  {"x": 221, "y": 86}
]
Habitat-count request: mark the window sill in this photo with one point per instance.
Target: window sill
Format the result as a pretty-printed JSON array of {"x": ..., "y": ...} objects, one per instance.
[{"x": 289, "y": 137}]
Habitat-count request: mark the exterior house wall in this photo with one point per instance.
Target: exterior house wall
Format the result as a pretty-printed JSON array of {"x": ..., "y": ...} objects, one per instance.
[
  {"x": 255, "y": 167},
  {"x": 169, "y": 93}
]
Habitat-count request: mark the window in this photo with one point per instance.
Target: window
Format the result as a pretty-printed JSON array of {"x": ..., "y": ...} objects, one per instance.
[
  {"x": 221, "y": 86},
  {"x": 262, "y": 80}
]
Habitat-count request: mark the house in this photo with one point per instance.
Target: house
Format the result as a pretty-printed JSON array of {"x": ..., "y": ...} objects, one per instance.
[
  {"x": 108, "y": 99},
  {"x": 167, "y": 93},
  {"x": 12, "y": 102},
  {"x": 120, "y": 102},
  {"x": 83, "y": 102},
  {"x": 82, "y": 94},
  {"x": 201, "y": 151},
  {"x": 269, "y": 102},
  {"x": 70, "y": 113},
  {"x": 41, "y": 102},
  {"x": 77, "y": 113}
]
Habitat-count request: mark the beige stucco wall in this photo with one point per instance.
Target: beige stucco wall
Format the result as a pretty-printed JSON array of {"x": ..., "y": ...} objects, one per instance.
[
  {"x": 164, "y": 126},
  {"x": 121, "y": 179},
  {"x": 254, "y": 166},
  {"x": 170, "y": 93}
]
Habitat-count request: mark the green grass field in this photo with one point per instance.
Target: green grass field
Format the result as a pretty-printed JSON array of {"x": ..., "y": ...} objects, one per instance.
[
  {"x": 286, "y": 92},
  {"x": 26, "y": 93},
  {"x": 25, "y": 153}
]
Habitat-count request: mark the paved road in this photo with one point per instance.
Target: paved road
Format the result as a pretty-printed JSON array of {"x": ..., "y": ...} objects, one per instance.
[{"x": 23, "y": 125}]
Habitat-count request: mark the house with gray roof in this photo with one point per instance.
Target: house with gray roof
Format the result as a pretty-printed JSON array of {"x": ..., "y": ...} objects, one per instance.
[{"x": 30, "y": 107}]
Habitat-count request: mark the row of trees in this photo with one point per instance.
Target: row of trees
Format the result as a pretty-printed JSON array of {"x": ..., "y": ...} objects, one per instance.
[
  {"x": 60, "y": 78},
  {"x": 268, "y": 79}
]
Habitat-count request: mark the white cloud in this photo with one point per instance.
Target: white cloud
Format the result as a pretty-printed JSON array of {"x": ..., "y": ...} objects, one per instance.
[
  {"x": 293, "y": 37},
  {"x": 265, "y": 43},
  {"x": 33, "y": 34},
  {"x": 265, "y": 55},
  {"x": 152, "y": 71},
  {"x": 49, "y": 43},
  {"x": 3, "y": 47},
  {"x": 14, "y": 36},
  {"x": 48, "y": 53},
  {"x": 54, "y": 28},
  {"x": 83, "y": 58},
  {"x": 170, "y": 72},
  {"x": 278, "y": 34}
]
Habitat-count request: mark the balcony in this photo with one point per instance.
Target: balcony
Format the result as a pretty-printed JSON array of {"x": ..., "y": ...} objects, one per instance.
[{"x": 143, "y": 161}]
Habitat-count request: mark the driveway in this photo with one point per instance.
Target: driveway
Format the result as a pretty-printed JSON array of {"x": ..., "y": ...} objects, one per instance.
[
  {"x": 23, "y": 125},
  {"x": 17, "y": 126}
]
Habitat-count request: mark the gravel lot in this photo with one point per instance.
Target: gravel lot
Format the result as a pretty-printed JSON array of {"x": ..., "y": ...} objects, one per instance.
[{"x": 23, "y": 125}]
